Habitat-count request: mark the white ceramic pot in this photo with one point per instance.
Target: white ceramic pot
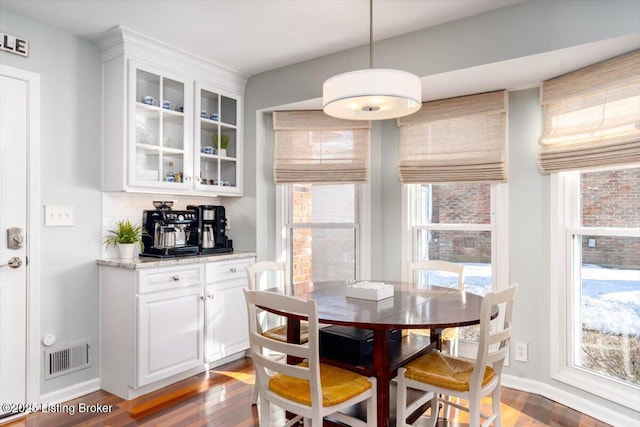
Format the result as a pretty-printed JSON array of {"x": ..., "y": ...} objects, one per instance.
[
  {"x": 222, "y": 152},
  {"x": 126, "y": 250}
]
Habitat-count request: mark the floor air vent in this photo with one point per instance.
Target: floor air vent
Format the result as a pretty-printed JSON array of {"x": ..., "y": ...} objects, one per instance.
[{"x": 63, "y": 360}]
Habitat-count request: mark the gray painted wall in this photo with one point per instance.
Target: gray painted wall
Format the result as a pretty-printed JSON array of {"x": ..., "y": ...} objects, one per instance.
[
  {"x": 70, "y": 81},
  {"x": 524, "y": 29}
]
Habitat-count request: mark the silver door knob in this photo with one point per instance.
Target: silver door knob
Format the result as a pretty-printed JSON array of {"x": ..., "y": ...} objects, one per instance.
[{"x": 14, "y": 262}]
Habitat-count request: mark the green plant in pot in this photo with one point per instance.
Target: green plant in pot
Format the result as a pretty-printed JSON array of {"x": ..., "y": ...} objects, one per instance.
[
  {"x": 221, "y": 143},
  {"x": 125, "y": 236}
]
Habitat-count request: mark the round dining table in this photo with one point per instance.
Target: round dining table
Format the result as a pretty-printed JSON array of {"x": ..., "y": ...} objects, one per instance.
[{"x": 427, "y": 307}]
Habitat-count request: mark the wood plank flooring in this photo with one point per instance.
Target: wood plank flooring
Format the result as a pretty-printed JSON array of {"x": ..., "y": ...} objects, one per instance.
[{"x": 222, "y": 397}]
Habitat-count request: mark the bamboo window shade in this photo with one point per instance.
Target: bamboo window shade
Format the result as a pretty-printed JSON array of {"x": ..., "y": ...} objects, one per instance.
[
  {"x": 312, "y": 147},
  {"x": 592, "y": 116},
  {"x": 455, "y": 140}
]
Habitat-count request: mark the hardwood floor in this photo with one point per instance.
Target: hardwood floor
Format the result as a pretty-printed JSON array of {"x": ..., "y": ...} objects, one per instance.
[{"x": 222, "y": 397}]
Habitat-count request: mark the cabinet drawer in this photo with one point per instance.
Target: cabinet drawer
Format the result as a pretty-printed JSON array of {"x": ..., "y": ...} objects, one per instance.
[
  {"x": 225, "y": 270},
  {"x": 157, "y": 279}
]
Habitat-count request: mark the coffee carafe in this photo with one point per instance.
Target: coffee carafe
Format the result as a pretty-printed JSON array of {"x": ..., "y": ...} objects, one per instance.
[
  {"x": 167, "y": 237},
  {"x": 208, "y": 240}
]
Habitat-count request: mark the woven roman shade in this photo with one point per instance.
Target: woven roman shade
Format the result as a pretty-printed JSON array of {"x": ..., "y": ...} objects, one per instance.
[
  {"x": 312, "y": 147},
  {"x": 455, "y": 140},
  {"x": 592, "y": 116}
]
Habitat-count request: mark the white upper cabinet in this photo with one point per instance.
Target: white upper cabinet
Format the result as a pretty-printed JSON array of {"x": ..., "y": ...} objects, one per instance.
[
  {"x": 172, "y": 121},
  {"x": 160, "y": 138},
  {"x": 218, "y": 136}
]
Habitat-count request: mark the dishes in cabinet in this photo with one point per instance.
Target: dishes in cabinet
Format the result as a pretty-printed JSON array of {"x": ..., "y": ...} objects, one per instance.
[{"x": 142, "y": 136}]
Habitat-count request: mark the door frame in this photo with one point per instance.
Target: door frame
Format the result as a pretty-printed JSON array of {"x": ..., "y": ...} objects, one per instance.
[{"x": 34, "y": 221}]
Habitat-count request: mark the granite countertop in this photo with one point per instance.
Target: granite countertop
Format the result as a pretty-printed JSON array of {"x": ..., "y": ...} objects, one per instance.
[{"x": 137, "y": 263}]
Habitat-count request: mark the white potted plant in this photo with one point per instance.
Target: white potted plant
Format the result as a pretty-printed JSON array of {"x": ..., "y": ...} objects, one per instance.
[
  {"x": 125, "y": 236},
  {"x": 221, "y": 144}
]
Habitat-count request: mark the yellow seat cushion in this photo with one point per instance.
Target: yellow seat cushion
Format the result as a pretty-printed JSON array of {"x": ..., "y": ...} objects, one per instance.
[
  {"x": 338, "y": 385},
  {"x": 445, "y": 371},
  {"x": 280, "y": 333}
]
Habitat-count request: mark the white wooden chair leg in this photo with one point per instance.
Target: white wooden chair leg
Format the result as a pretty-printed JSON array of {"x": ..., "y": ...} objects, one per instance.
[
  {"x": 474, "y": 412},
  {"x": 372, "y": 405},
  {"x": 265, "y": 413},
  {"x": 495, "y": 400},
  {"x": 401, "y": 398},
  {"x": 256, "y": 390},
  {"x": 434, "y": 411}
]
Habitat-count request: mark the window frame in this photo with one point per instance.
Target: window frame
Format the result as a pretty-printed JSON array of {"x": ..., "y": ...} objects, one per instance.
[
  {"x": 498, "y": 226},
  {"x": 564, "y": 306},
  {"x": 284, "y": 197}
]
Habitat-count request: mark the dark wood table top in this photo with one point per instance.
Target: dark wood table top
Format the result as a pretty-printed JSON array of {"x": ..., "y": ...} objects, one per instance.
[{"x": 410, "y": 308}]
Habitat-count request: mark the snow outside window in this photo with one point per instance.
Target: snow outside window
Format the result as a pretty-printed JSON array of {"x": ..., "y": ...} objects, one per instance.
[{"x": 596, "y": 281}]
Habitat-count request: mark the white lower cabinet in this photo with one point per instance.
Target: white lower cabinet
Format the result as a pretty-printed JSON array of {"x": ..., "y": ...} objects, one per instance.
[
  {"x": 162, "y": 324},
  {"x": 226, "y": 328},
  {"x": 170, "y": 336}
]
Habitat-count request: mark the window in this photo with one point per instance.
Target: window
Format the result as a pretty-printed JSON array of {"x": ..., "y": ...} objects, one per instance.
[
  {"x": 461, "y": 223},
  {"x": 321, "y": 231},
  {"x": 597, "y": 281}
]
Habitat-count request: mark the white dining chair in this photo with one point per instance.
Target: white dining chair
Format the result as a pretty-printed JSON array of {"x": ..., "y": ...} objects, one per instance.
[
  {"x": 311, "y": 390},
  {"x": 436, "y": 373},
  {"x": 272, "y": 275},
  {"x": 449, "y": 336}
]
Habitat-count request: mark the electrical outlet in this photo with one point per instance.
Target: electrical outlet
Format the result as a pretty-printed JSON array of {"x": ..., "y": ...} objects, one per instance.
[
  {"x": 522, "y": 351},
  {"x": 58, "y": 216}
]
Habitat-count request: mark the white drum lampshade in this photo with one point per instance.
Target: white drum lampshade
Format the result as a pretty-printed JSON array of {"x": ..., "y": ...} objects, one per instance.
[{"x": 372, "y": 94}]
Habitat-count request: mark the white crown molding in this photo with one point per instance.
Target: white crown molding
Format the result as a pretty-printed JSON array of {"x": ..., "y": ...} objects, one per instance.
[
  {"x": 122, "y": 41},
  {"x": 578, "y": 403}
]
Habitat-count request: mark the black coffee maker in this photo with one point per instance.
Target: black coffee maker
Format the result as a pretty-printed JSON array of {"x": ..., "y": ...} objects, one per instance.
[
  {"x": 212, "y": 238},
  {"x": 169, "y": 233}
]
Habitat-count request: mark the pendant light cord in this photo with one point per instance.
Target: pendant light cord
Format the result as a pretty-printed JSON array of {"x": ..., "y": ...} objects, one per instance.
[{"x": 370, "y": 33}]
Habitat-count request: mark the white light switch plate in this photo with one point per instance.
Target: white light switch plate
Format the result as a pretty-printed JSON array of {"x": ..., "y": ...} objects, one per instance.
[{"x": 58, "y": 216}]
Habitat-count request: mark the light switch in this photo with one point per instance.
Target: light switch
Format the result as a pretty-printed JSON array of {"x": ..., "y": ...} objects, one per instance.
[{"x": 58, "y": 216}]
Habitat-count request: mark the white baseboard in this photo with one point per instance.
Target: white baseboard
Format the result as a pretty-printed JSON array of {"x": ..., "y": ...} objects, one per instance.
[
  {"x": 71, "y": 392},
  {"x": 570, "y": 400}
]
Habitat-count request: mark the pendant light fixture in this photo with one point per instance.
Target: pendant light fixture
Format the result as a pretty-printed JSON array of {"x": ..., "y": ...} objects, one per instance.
[{"x": 373, "y": 93}]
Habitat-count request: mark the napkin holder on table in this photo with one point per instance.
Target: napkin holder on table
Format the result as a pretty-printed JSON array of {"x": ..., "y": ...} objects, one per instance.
[{"x": 374, "y": 291}]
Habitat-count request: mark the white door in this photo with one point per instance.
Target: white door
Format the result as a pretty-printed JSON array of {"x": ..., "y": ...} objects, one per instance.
[{"x": 13, "y": 215}]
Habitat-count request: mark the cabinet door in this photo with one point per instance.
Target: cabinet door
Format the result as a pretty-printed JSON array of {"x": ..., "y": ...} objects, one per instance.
[
  {"x": 170, "y": 337},
  {"x": 159, "y": 130},
  {"x": 219, "y": 148},
  {"x": 227, "y": 330}
]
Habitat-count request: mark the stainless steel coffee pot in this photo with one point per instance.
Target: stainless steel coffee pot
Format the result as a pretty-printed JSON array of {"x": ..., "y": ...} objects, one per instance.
[
  {"x": 207, "y": 237},
  {"x": 168, "y": 237}
]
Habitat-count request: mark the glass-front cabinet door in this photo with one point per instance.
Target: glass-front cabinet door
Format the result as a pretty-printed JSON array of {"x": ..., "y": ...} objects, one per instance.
[
  {"x": 217, "y": 166},
  {"x": 160, "y": 142}
]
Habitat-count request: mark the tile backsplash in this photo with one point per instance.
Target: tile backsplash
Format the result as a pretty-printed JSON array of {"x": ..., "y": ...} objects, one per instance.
[{"x": 120, "y": 206}]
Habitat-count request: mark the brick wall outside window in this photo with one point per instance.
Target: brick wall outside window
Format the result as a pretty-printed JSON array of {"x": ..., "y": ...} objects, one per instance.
[
  {"x": 461, "y": 204},
  {"x": 301, "y": 250},
  {"x": 611, "y": 199}
]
